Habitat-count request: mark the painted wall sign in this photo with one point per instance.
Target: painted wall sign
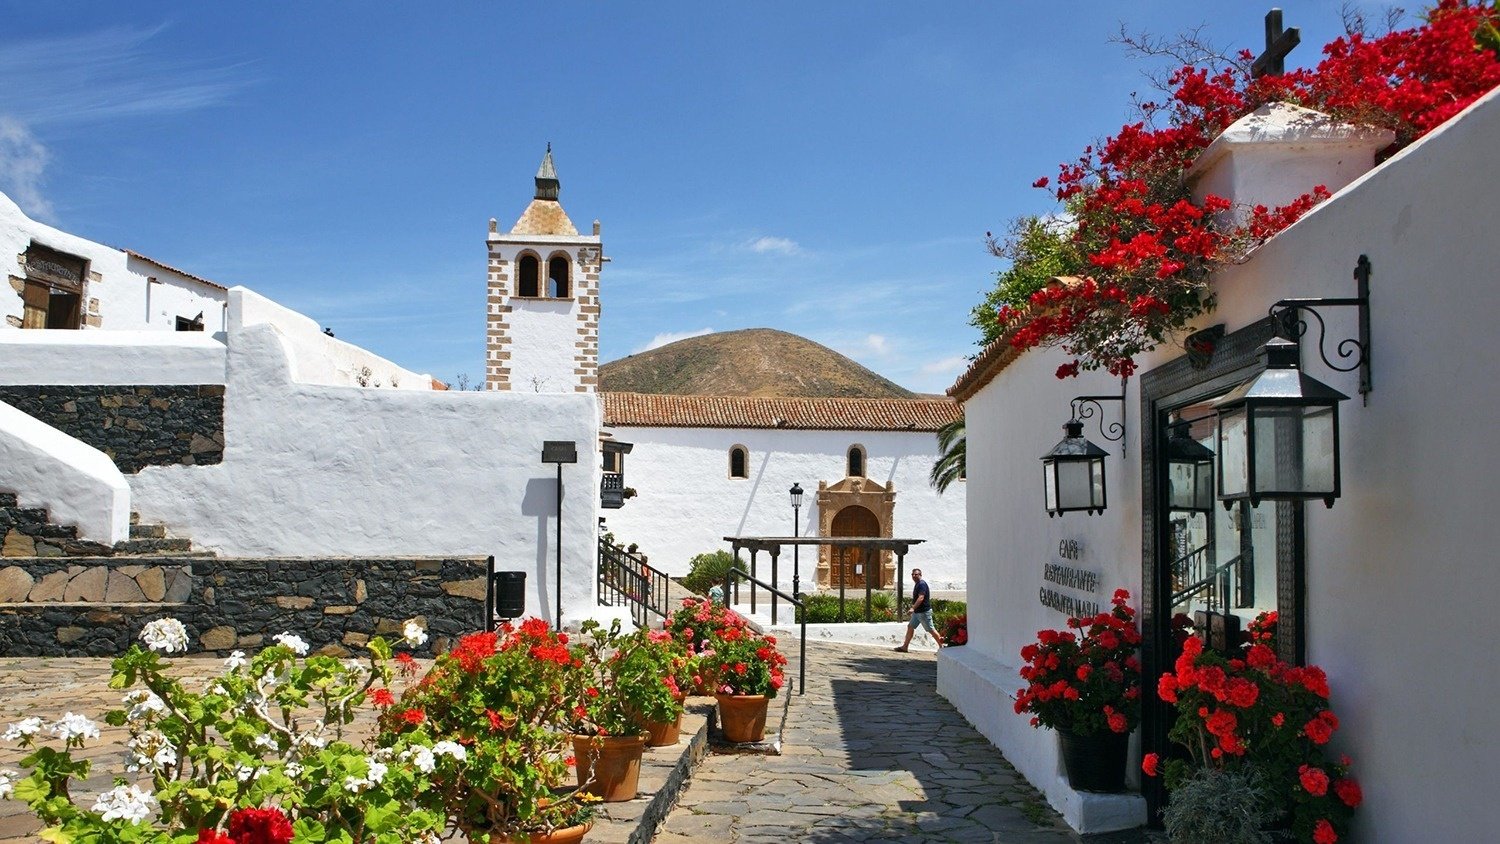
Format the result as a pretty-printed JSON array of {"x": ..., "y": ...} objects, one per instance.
[{"x": 1067, "y": 579}]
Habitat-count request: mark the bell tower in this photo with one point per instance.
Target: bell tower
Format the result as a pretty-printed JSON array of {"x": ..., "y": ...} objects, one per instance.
[{"x": 543, "y": 306}]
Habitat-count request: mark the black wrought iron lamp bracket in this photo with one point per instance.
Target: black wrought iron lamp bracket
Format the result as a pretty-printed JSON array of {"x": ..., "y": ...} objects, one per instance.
[
  {"x": 1086, "y": 407},
  {"x": 1352, "y": 352}
]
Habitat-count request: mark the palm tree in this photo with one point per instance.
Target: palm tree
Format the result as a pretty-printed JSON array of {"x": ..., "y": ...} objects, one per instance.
[{"x": 951, "y": 450}]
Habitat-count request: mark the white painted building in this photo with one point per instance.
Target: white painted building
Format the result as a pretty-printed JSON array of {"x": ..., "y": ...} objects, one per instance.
[
  {"x": 1390, "y": 589},
  {"x": 707, "y": 467}
]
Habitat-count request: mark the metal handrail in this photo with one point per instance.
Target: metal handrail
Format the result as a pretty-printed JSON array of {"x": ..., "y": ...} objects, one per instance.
[
  {"x": 1206, "y": 581},
  {"x": 627, "y": 579},
  {"x": 730, "y": 581}
]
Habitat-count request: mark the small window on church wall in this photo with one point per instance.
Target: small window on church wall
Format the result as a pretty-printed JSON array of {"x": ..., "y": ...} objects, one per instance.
[
  {"x": 557, "y": 277},
  {"x": 739, "y": 462},
  {"x": 528, "y": 276},
  {"x": 856, "y": 461}
]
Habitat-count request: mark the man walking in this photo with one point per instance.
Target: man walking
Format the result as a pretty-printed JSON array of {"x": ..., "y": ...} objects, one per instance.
[{"x": 921, "y": 611}]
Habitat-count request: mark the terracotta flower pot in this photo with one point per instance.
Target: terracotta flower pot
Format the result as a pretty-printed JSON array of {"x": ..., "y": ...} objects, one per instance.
[
  {"x": 743, "y": 717},
  {"x": 609, "y": 767},
  {"x": 663, "y": 733},
  {"x": 566, "y": 835}
]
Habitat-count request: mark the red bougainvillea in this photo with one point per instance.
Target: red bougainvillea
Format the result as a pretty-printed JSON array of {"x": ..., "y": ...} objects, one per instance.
[{"x": 1146, "y": 248}]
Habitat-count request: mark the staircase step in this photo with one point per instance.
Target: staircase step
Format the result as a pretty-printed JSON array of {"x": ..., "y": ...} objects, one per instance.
[
  {"x": 139, "y": 531},
  {"x": 8, "y": 499},
  {"x": 152, "y": 546}
]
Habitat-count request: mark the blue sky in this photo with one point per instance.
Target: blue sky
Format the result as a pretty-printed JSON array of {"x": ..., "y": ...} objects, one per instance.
[{"x": 828, "y": 169}]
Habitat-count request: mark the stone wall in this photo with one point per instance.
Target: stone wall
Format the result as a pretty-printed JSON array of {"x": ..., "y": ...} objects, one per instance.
[
  {"x": 136, "y": 426},
  {"x": 97, "y": 606}
]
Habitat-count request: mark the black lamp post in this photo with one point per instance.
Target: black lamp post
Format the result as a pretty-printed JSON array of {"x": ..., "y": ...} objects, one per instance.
[
  {"x": 1074, "y": 473},
  {"x": 796, "y": 493},
  {"x": 1190, "y": 466},
  {"x": 1279, "y": 434}
]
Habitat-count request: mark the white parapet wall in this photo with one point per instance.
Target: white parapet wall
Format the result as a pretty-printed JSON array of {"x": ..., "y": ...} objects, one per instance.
[
  {"x": 76, "y": 482},
  {"x": 315, "y": 357},
  {"x": 311, "y": 469},
  {"x": 111, "y": 357}
]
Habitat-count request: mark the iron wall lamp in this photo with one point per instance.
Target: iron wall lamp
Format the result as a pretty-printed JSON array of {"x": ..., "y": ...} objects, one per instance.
[
  {"x": 1190, "y": 468},
  {"x": 1278, "y": 434},
  {"x": 1292, "y": 324},
  {"x": 1073, "y": 472}
]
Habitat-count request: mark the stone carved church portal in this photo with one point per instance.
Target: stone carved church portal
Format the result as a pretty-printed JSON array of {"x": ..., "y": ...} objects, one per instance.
[{"x": 855, "y": 507}]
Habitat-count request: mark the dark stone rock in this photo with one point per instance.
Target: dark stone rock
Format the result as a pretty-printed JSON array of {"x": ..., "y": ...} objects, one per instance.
[{"x": 136, "y": 426}]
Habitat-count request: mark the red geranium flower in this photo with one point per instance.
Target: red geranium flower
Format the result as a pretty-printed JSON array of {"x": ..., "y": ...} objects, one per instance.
[
  {"x": 1149, "y": 764},
  {"x": 260, "y": 826},
  {"x": 213, "y": 836},
  {"x": 1314, "y": 780},
  {"x": 1349, "y": 791},
  {"x": 1323, "y": 832}
]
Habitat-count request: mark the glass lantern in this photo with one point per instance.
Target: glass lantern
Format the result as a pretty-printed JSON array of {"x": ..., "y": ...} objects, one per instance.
[
  {"x": 1190, "y": 472},
  {"x": 1074, "y": 474}
]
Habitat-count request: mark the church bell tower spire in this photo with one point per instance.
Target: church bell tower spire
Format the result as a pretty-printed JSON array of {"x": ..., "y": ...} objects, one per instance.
[{"x": 547, "y": 185}]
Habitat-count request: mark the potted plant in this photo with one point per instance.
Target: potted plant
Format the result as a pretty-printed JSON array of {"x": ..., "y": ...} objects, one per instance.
[
  {"x": 608, "y": 738},
  {"x": 1255, "y": 712},
  {"x": 487, "y": 726},
  {"x": 748, "y": 672},
  {"x": 650, "y": 669},
  {"x": 1085, "y": 683},
  {"x": 696, "y": 624},
  {"x": 257, "y": 755}
]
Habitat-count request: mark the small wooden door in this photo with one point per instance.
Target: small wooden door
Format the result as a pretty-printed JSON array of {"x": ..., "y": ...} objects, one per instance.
[{"x": 852, "y": 565}]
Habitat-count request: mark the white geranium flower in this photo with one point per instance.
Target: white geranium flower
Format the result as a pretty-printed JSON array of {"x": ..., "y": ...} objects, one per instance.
[
  {"x": 316, "y": 737},
  {"x": 355, "y": 785},
  {"x": 293, "y": 769},
  {"x": 166, "y": 635},
  {"x": 125, "y": 802},
  {"x": 245, "y": 773},
  {"x": 151, "y": 751},
  {"x": 296, "y": 643},
  {"x": 8, "y": 779},
  {"x": 377, "y": 771},
  {"x": 451, "y": 748},
  {"x": 144, "y": 706},
  {"x": 422, "y": 759},
  {"x": 75, "y": 727},
  {"x": 264, "y": 741},
  {"x": 23, "y": 729},
  {"x": 414, "y": 635},
  {"x": 236, "y": 660}
]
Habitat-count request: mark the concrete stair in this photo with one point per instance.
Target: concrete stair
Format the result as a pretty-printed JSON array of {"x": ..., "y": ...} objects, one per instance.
[{"x": 30, "y": 532}]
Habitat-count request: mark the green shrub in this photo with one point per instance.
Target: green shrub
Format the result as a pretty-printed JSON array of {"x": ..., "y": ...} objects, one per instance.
[
  {"x": 823, "y": 607},
  {"x": 707, "y": 570},
  {"x": 1215, "y": 806}
]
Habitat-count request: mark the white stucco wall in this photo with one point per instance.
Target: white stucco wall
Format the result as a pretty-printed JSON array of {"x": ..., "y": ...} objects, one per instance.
[
  {"x": 133, "y": 294},
  {"x": 315, "y": 357},
  {"x": 687, "y": 502},
  {"x": 76, "y": 482},
  {"x": 312, "y": 469},
  {"x": 111, "y": 357},
  {"x": 543, "y": 333},
  {"x": 1399, "y": 576}
]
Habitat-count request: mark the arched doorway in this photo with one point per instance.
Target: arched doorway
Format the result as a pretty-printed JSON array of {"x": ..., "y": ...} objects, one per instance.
[{"x": 851, "y": 565}]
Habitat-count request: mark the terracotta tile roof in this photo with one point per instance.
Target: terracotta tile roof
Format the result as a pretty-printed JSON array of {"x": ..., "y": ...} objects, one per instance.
[
  {"x": 996, "y": 356},
  {"x": 170, "y": 268},
  {"x": 544, "y": 216},
  {"x": 809, "y": 414}
]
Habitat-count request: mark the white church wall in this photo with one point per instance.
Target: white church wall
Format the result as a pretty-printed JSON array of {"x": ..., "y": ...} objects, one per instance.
[
  {"x": 123, "y": 291},
  {"x": 313, "y": 469},
  {"x": 76, "y": 482},
  {"x": 1398, "y": 574},
  {"x": 687, "y": 502},
  {"x": 316, "y": 357},
  {"x": 111, "y": 357},
  {"x": 543, "y": 332}
]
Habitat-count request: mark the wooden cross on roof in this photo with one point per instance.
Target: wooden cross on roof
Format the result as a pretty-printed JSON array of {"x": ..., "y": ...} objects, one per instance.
[{"x": 1279, "y": 42}]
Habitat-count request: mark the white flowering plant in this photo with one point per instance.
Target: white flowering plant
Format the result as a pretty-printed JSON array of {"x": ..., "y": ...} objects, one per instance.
[{"x": 257, "y": 755}]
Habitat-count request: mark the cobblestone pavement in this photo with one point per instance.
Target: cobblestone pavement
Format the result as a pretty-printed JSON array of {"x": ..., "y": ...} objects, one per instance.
[{"x": 870, "y": 753}]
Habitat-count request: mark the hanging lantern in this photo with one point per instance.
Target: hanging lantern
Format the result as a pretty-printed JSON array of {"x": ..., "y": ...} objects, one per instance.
[
  {"x": 1279, "y": 434},
  {"x": 1190, "y": 472},
  {"x": 1074, "y": 473}
]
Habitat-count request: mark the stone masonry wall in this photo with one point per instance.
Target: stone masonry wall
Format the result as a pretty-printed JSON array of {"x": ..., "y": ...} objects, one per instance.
[
  {"x": 86, "y": 607},
  {"x": 136, "y": 426}
]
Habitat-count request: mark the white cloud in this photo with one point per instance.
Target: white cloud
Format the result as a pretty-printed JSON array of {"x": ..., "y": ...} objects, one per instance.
[
  {"x": 666, "y": 337},
  {"x": 774, "y": 245},
  {"x": 876, "y": 344},
  {"x": 22, "y": 160},
  {"x": 947, "y": 366}
]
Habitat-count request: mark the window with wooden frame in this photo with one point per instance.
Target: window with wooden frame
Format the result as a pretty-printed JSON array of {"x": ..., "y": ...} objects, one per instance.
[
  {"x": 528, "y": 276},
  {"x": 52, "y": 294},
  {"x": 855, "y": 463},
  {"x": 739, "y": 462},
  {"x": 559, "y": 276}
]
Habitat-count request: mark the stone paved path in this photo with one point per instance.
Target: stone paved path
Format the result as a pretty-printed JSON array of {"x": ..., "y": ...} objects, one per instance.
[{"x": 871, "y": 753}]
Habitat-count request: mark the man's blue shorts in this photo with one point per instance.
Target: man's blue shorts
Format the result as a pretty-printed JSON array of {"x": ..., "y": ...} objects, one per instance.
[{"x": 924, "y": 619}]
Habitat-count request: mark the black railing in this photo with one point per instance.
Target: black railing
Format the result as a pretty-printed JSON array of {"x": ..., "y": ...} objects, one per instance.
[
  {"x": 1214, "y": 583},
  {"x": 612, "y": 491},
  {"x": 732, "y": 580},
  {"x": 626, "y": 580}
]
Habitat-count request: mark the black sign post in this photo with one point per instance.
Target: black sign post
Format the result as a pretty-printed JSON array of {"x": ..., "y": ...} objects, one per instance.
[{"x": 559, "y": 452}]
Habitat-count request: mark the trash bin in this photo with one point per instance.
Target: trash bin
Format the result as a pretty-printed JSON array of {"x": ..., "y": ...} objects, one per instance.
[{"x": 508, "y": 591}]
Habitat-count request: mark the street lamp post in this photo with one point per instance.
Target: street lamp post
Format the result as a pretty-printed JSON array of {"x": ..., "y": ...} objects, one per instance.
[{"x": 796, "y": 493}]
